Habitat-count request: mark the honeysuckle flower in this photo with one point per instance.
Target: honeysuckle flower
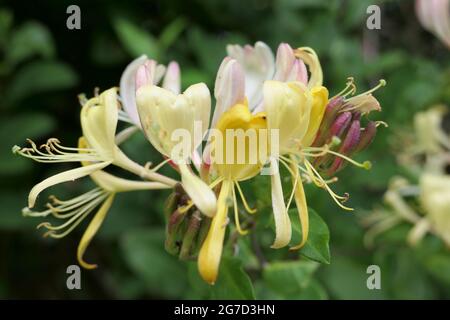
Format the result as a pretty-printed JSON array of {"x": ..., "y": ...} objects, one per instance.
[
  {"x": 434, "y": 16},
  {"x": 75, "y": 210},
  {"x": 294, "y": 108},
  {"x": 431, "y": 195},
  {"x": 229, "y": 172},
  {"x": 151, "y": 73},
  {"x": 98, "y": 117},
  {"x": 296, "y": 112},
  {"x": 165, "y": 118}
]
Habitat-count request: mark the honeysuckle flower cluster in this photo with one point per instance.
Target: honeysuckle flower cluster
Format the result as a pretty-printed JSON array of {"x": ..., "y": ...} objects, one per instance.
[
  {"x": 425, "y": 203},
  {"x": 269, "y": 110}
]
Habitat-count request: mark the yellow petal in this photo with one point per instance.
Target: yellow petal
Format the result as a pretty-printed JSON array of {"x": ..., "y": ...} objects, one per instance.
[
  {"x": 91, "y": 230},
  {"x": 240, "y": 146},
  {"x": 311, "y": 59},
  {"x": 211, "y": 250},
  {"x": 300, "y": 201},
  {"x": 288, "y": 107},
  {"x": 282, "y": 222},
  {"x": 69, "y": 175},
  {"x": 320, "y": 101},
  {"x": 199, "y": 192}
]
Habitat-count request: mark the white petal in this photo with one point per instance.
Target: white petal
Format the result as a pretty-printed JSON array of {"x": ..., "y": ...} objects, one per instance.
[
  {"x": 283, "y": 229},
  {"x": 199, "y": 192},
  {"x": 65, "y": 176}
]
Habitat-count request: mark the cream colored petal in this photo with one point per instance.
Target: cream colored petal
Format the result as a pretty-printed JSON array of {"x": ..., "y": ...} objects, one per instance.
[
  {"x": 99, "y": 118},
  {"x": 288, "y": 107},
  {"x": 311, "y": 59},
  {"x": 199, "y": 192},
  {"x": 149, "y": 100},
  {"x": 65, "y": 176},
  {"x": 162, "y": 112},
  {"x": 115, "y": 184},
  {"x": 283, "y": 229},
  {"x": 91, "y": 230}
]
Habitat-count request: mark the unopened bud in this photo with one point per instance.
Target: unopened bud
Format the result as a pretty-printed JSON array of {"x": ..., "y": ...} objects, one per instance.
[
  {"x": 340, "y": 124},
  {"x": 347, "y": 147},
  {"x": 367, "y": 136},
  {"x": 172, "y": 228},
  {"x": 193, "y": 227},
  {"x": 331, "y": 112}
]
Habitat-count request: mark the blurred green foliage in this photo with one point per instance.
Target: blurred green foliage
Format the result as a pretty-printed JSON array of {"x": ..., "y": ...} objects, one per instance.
[{"x": 43, "y": 66}]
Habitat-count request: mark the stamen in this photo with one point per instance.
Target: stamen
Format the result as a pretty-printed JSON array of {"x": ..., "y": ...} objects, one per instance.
[
  {"x": 366, "y": 164},
  {"x": 297, "y": 176},
  {"x": 56, "y": 153},
  {"x": 379, "y": 122},
  {"x": 186, "y": 207},
  {"x": 246, "y": 206},
  {"x": 335, "y": 197},
  {"x": 350, "y": 88},
  {"x": 63, "y": 206},
  {"x": 216, "y": 182},
  {"x": 77, "y": 213},
  {"x": 380, "y": 84},
  {"x": 236, "y": 215},
  {"x": 53, "y": 234}
]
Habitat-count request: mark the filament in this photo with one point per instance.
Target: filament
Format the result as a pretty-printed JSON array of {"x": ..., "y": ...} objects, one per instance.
[{"x": 236, "y": 214}]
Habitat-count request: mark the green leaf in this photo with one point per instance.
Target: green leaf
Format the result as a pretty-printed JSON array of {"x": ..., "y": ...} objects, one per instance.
[
  {"x": 171, "y": 33},
  {"x": 346, "y": 278},
  {"x": 144, "y": 252},
  {"x": 136, "y": 40},
  {"x": 439, "y": 265},
  {"x": 289, "y": 277},
  {"x": 6, "y": 20},
  {"x": 317, "y": 246},
  {"x": 15, "y": 131},
  {"x": 40, "y": 77},
  {"x": 233, "y": 282},
  {"x": 32, "y": 38}
]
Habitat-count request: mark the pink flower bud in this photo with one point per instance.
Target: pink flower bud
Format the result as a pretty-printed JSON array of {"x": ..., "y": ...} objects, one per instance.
[
  {"x": 367, "y": 136},
  {"x": 347, "y": 147}
]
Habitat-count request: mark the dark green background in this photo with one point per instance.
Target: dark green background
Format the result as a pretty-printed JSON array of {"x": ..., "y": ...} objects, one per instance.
[{"x": 43, "y": 66}]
